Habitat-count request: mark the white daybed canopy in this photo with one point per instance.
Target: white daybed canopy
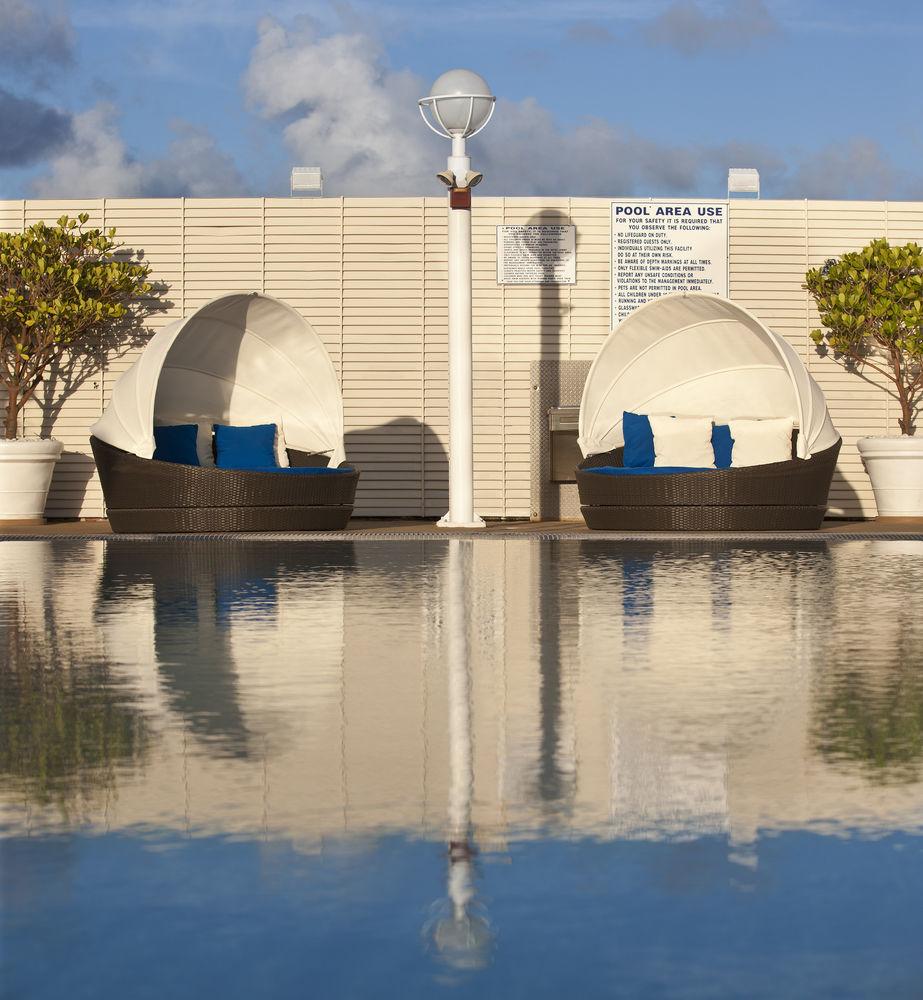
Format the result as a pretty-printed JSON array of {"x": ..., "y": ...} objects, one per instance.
[
  {"x": 693, "y": 354},
  {"x": 242, "y": 359}
]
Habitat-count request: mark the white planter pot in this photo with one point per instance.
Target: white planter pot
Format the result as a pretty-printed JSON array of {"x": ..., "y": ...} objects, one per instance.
[
  {"x": 26, "y": 468},
  {"x": 895, "y": 466}
]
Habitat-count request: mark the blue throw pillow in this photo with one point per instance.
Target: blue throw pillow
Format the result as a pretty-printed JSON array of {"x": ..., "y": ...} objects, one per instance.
[
  {"x": 723, "y": 445},
  {"x": 639, "y": 441},
  {"x": 176, "y": 444},
  {"x": 245, "y": 447}
]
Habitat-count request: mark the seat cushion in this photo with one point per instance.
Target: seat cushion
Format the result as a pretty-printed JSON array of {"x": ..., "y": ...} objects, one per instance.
[
  {"x": 658, "y": 470},
  {"x": 761, "y": 442},
  {"x": 304, "y": 470},
  {"x": 723, "y": 445},
  {"x": 176, "y": 443},
  {"x": 683, "y": 442},
  {"x": 251, "y": 447},
  {"x": 639, "y": 442}
]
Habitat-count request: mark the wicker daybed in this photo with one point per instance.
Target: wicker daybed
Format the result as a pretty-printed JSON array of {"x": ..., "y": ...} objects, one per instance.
[
  {"x": 239, "y": 360},
  {"x": 695, "y": 354}
]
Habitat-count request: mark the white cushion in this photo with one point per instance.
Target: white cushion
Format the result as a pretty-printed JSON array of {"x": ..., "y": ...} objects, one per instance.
[
  {"x": 281, "y": 453},
  {"x": 204, "y": 445},
  {"x": 760, "y": 442},
  {"x": 683, "y": 442},
  {"x": 203, "y": 441}
]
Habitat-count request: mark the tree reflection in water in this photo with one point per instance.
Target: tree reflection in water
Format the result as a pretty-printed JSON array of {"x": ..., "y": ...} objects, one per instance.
[
  {"x": 873, "y": 717},
  {"x": 868, "y": 712},
  {"x": 66, "y": 723}
]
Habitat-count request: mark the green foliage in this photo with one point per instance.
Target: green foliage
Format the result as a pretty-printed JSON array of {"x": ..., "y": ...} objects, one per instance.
[
  {"x": 62, "y": 289},
  {"x": 871, "y": 304}
]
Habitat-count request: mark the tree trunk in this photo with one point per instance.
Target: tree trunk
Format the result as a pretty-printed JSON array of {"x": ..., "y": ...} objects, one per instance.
[
  {"x": 11, "y": 421},
  {"x": 906, "y": 418}
]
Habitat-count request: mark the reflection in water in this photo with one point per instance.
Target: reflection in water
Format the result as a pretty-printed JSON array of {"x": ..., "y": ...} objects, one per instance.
[
  {"x": 625, "y": 739},
  {"x": 556, "y": 777},
  {"x": 870, "y": 713},
  {"x": 461, "y": 933},
  {"x": 66, "y": 723}
]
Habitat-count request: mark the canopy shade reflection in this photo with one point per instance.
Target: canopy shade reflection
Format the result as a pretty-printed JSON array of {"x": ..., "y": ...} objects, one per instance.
[{"x": 699, "y": 355}]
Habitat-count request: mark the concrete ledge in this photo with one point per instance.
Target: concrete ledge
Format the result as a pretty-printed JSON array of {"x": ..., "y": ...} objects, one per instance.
[{"x": 411, "y": 528}]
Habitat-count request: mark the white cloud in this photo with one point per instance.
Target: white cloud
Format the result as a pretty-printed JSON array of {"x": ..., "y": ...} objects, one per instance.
[
  {"x": 96, "y": 163},
  {"x": 342, "y": 108},
  {"x": 855, "y": 168},
  {"x": 687, "y": 27},
  {"x": 194, "y": 166},
  {"x": 29, "y": 129},
  {"x": 339, "y": 105},
  {"x": 34, "y": 36},
  {"x": 589, "y": 33}
]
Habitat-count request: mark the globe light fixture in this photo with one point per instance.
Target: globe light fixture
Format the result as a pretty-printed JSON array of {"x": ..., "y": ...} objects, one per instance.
[{"x": 459, "y": 106}]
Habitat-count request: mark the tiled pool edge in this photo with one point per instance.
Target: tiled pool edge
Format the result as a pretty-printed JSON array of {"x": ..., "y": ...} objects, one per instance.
[{"x": 538, "y": 536}]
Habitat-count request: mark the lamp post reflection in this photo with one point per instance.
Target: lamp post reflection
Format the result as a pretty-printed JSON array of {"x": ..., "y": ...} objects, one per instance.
[{"x": 460, "y": 930}]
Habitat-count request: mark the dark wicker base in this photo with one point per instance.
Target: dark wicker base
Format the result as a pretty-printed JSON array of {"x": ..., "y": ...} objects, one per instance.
[
  {"x": 704, "y": 518},
  {"x": 784, "y": 496},
  {"x": 146, "y": 496},
  {"x": 204, "y": 519}
]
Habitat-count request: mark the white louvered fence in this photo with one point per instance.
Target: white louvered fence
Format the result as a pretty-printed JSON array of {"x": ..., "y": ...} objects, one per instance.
[{"x": 370, "y": 275}]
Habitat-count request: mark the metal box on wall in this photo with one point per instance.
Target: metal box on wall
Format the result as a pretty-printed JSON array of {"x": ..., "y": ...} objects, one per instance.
[
  {"x": 557, "y": 387},
  {"x": 565, "y": 452}
]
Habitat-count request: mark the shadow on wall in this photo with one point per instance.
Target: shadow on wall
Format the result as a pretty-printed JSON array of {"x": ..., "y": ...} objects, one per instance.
[
  {"x": 404, "y": 466},
  {"x": 554, "y": 314},
  {"x": 553, "y": 310},
  {"x": 72, "y": 476},
  {"x": 842, "y": 493}
]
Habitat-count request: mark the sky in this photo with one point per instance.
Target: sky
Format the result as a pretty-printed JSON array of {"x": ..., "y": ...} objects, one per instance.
[{"x": 211, "y": 98}]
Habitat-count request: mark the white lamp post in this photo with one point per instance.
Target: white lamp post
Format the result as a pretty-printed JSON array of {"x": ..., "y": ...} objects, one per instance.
[{"x": 460, "y": 104}]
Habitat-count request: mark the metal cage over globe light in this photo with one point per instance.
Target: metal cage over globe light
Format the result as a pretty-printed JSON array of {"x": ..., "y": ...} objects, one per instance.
[{"x": 459, "y": 105}]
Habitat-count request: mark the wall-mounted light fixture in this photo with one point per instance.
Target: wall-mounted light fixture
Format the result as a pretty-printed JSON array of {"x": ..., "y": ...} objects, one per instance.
[
  {"x": 743, "y": 180},
  {"x": 307, "y": 182}
]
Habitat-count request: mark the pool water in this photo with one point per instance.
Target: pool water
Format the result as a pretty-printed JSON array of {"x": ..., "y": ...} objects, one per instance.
[{"x": 494, "y": 768}]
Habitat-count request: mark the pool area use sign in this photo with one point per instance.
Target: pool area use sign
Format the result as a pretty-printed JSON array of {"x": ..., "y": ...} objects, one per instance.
[
  {"x": 661, "y": 246},
  {"x": 536, "y": 255}
]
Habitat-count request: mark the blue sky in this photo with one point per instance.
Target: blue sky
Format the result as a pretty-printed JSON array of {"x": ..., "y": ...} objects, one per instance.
[{"x": 633, "y": 97}]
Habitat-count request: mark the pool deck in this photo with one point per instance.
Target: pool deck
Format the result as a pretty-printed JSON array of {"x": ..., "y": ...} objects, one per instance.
[{"x": 902, "y": 527}]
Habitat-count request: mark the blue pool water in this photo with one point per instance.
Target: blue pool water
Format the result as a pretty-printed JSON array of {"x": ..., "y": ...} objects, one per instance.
[{"x": 491, "y": 769}]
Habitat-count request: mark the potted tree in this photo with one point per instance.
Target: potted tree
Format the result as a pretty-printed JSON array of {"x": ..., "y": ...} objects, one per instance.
[
  {"x": 67, "y": 293},
  {"x": 871, "y": 304}
]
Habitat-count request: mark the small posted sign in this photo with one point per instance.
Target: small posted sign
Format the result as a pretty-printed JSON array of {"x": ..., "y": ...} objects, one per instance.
[{"x": 536, "y": 255}]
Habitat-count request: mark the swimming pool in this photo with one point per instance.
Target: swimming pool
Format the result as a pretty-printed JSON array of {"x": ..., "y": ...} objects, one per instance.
[{"x": 497, "y": 768}]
